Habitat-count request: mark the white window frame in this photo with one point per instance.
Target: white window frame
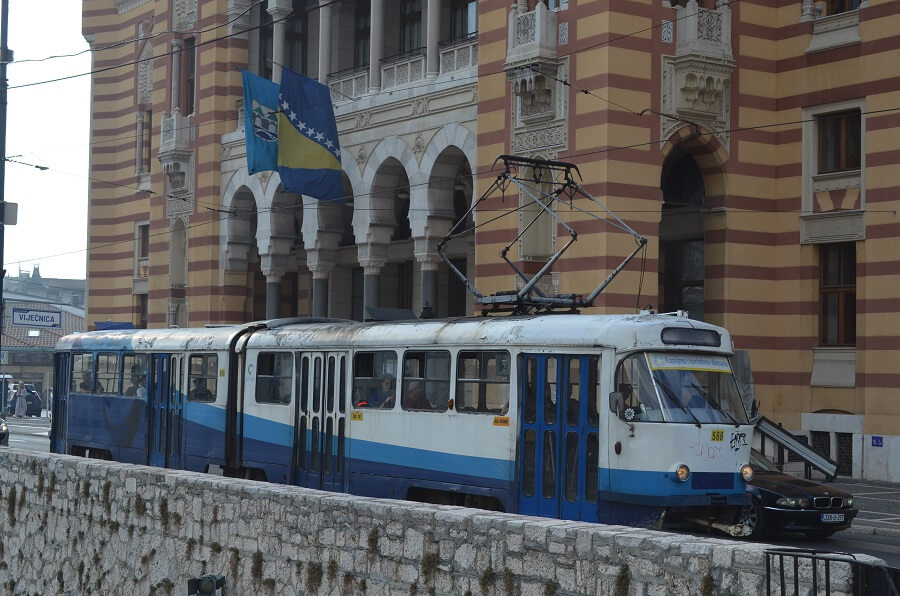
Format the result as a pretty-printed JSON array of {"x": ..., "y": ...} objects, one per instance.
[{"x": 831, "y": 226}]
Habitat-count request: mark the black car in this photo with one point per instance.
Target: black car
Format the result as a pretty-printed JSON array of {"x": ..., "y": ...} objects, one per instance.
[
  {"x": 4, "y": 433},
  {"x": 783, "y": 503}
]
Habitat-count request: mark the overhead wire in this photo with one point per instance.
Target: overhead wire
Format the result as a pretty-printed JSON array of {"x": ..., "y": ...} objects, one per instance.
[{"x": 214, "y": 207}]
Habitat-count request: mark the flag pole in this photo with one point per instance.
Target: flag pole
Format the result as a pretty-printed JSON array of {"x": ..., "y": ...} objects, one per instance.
[{"x": 5, "y": 57}]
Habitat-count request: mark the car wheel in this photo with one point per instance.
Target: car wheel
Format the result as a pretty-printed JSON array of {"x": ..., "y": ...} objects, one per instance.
[
  {"x": 819, "y": 534},
  {"x": 752, "y": 516}
]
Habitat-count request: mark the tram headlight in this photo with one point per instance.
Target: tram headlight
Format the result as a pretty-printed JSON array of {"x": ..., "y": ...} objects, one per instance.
[
  {"x": 682, "y": 472},
  {"x": 747, "y": 472}
]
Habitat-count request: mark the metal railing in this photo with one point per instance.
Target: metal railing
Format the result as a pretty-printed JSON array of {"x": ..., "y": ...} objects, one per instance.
[{"x": 797, "y": 571}]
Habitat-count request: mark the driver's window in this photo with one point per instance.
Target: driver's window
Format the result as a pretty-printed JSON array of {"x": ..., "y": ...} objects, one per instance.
[{"x": 634, "y": 382}]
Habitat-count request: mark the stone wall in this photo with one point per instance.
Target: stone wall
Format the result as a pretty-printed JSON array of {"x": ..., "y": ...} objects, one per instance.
[{"x": 80, "y": 526}]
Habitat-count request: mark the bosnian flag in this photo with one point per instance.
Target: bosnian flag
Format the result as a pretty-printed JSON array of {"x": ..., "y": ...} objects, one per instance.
[{"x": 309, "y": 155}]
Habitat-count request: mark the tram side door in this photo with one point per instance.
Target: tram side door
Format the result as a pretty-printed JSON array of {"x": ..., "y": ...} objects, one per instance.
[
  {"x": 315, "y": 363},
  {"x": 175, "y": 413},
  {"x": 61, "y": 374},
  {"x": 334, "y": 412},
  {"x": 559, "y": 441},
  {"x": 157, "y": 399}
]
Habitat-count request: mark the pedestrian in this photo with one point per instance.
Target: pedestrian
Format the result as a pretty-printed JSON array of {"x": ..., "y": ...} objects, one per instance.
[{"x": 21, "y": 400}]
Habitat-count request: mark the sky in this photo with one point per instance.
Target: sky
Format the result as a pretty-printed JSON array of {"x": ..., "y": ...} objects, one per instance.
[{"x": 47, "y": 125}]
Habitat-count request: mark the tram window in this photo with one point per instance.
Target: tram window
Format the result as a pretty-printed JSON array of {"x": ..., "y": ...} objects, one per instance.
[
  {"x": 374, "y": 379},
  {"x": 591, "y": 463},
  {"x": 134, "y": 371},
  {"x": 634, "y": 382},
  {"x": 549, "y": 479},
  {"x": 274, "y": 371},
  {"x": 329, "y": 386},
  {"x": 573, "y": 391},
  {"x": 314, "y": 450},
  {"x": 593, "y": 387},
  {"x": 482, "y": 382},
  {"x": 304, "y": 385},
  {"x": 82, "y": 373},
  {"x": 342, "y": 395},
  {"x": 317, "y": 384},
  {"x": 528, "y": 463},
  {"x": 426, "y": 381},
  {"x": 550, "y": 396},
  {"x": 530, "y": 397},
  {"x": 107, "y": 373},
  {"x": 571, "y": 467},
  {"x": 301, "y": 457},
  {"x": 340, "y": 446},
  {"x": 329, "y": 431},
  {"x": 202, "y": 376}
]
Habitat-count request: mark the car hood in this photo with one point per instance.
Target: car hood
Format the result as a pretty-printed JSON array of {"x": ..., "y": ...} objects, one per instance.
[{"x": 790, "y": 486}]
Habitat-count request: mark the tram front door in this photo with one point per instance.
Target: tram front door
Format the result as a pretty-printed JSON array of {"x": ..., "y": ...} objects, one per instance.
[
  {"x": 319, "y": 454},
  {"x": 559, "y": 441}
]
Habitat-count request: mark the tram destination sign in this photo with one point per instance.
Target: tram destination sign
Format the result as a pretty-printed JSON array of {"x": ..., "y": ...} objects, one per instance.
[{"x": 26, "y": 317}]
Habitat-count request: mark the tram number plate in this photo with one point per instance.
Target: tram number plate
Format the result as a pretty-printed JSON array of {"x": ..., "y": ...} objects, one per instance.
[
  {"x": 356, "y": 415},
  {"x": 718, "y": 435},
  {"x": 833, "y": 517}
]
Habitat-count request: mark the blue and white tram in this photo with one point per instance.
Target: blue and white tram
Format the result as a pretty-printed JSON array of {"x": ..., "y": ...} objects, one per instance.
[{"x": 615, "y": 418}]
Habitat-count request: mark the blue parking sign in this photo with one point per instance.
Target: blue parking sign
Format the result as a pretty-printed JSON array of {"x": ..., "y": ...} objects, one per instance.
[{"x": 877, "y": 441}]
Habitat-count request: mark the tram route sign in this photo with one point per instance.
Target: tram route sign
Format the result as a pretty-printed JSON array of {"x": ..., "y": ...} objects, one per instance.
[{"x": 27, "y": 317}]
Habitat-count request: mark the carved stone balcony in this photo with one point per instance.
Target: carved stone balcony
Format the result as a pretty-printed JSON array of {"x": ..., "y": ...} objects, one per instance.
[
  {"x": 458, "y": 55},
  {"x": 404, "y": 69},
  {"x": 697, "y": 80},
  {"x": 532, "y": 63},
  {"x": 349, "y": 84},
  {"x": 177, "y": 160}
]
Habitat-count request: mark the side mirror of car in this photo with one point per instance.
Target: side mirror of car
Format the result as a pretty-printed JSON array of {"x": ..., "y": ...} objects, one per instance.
[{"x": 617, "y": 404}]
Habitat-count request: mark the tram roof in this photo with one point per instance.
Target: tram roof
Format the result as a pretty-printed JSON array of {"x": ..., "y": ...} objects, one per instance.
[{"x": 624, "y": 332}]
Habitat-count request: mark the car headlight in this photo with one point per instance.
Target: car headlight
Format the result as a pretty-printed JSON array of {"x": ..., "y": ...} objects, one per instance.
[
  {"x": 747, "y": 472},
  {"x": 682, "y": 472},
  {"x": 848, "y": 501},
  {"x": 792, "y": 502},
  {"x": 3, "y": 428}
]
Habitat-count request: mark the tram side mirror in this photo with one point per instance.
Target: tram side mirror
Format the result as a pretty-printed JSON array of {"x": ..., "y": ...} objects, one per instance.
[{"x": 617, "y": 404}]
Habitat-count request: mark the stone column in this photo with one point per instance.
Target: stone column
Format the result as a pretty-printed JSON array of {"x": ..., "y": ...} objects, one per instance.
[
  {"x": 433, "y": 32},
  {"x": 139, "y": 142},
  {"x": 429, "y": 264},
  {"x": 371, "y": 283},
  {"x": 376, "y": 43},
  {"x": 321, "y": 274},
  {"x": 176, "y": 73},
  {"x": 324, "y": 41},
  {"x": 273, "y": 292},
  {"x": 279, "y": 26}
]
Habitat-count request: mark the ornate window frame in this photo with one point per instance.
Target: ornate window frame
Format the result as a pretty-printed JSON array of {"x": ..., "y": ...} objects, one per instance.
[{"x": 842, "y": 224}]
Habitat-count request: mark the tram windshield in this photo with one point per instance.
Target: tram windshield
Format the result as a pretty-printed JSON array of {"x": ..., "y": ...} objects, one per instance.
[{"x": 668, "y": 387}]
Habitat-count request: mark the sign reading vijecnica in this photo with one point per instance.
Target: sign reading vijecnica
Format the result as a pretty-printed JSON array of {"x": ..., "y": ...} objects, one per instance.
[{"x": 26, "y": 317}]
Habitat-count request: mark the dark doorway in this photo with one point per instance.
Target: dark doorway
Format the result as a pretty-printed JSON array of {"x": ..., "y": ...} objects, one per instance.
[{"x": 681, "y": 246}]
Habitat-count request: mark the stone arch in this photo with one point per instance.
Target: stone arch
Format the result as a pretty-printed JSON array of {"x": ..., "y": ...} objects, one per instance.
[
  {"x": 390, "y": 148},
  {"x": 241, "y": 197},
  {"x": 710, "y": 156}
]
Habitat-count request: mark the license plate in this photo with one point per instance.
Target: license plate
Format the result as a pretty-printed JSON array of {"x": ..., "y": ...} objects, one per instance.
[{"x": 832, "y": 517}]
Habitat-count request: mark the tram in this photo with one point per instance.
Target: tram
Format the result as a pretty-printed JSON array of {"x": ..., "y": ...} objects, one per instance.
[{"x": 628, "y": 419}]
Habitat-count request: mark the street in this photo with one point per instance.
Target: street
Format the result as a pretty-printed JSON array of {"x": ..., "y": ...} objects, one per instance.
[{"x": 879, "y": 505}]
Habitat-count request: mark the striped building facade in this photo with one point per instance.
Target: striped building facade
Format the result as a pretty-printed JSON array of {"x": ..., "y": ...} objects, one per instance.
[
  {"x": 754, "y": 143},
  {"x": 751, "y": 142}
]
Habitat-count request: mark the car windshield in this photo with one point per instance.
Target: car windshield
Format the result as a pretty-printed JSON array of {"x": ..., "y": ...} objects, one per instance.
[
  {"x": 684, "y": 388},
  {"x": 761, "y": 463}
]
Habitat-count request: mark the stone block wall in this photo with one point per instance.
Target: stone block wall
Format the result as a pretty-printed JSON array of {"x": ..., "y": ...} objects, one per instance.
[{"x": 78, "y": 526}]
